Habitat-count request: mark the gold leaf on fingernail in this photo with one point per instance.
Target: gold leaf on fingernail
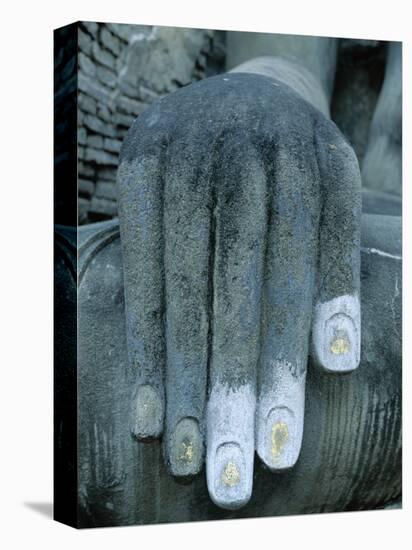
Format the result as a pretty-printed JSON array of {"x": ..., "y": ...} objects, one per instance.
[
  {"x": 187, "y": 451},
  {"x": 231, "y": 475},
  {"x": 280, "y": 436},
  {"x": 340, "y": 346}
]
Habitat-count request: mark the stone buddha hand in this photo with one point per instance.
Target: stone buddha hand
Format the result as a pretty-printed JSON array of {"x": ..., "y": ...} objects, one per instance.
[{"x": 239, "y": 208}]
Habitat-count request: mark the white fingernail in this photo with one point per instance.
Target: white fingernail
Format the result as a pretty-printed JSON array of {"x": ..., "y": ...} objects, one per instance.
[
  {"x": 147, "y": 413},
  {"x": 336, "y": 334},
  {"x": 230, "y": 445}
]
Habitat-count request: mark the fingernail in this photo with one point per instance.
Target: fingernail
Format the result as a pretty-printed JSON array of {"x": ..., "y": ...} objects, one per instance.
[
  {"x": 281, "y": 439},
  {"x": 336, "y": 334},
  {"x": 230, "y": 445},
  {"x": 340, "y": 343},
  {"x": 231, "y": 487},
  {"x": 147, "y": 416},
  {"x": 185, "y": 448}
]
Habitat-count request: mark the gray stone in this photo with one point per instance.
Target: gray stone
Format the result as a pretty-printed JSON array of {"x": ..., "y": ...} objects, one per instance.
[
  {"x": 95, "y": 140},
  {"x": 103, "y": 56},
  {"x": 126, "y": 31},
  {"x": 85, "y": 42},
  {"x": 91, "y": 27},
  {"x": 93, "y": 89},
  {"x": 86, "y": 65},
  {"x": 86, "y": 170},
  {"x": 103, "y": 206},
  {"x": 98, "y": 126},
  {"x": 112, "y": 145},
  {"x": 110, "y": 41},
  {"x": 86, "y": 187},
  {"x": 124, "y": 120},
  {"x": 106, "y": 76},
  {"x": 82, "y": 136},
  {"x": 82, "y": 209},
  {"x": 107, "y": 173},
  {"x": 100, "y": 157},
  {"x": 162, "y": 58},
  {"x": 87, "y": 104},
  {"x": 130, "y": 106},
  {"x": 106, "y": 190},
  {"x": 105, "y": 113}
]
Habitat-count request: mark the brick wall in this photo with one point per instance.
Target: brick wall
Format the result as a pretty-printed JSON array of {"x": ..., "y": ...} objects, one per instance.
[{"x": 121, "y": 70}]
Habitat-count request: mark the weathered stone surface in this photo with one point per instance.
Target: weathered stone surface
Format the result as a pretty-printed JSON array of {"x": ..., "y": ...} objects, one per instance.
[
  {"x": 107, "y": 173},
  {"x": 85, "y": 42},
  {"x": 111, "y": 42},
  {"x": 107, "y": 208},
  {"x": 83, "y": 206},
  {"x": 112, "y": 145},
  {"x": 95, "y": 140},
  {"x": 130, "y": 106},
  {"x": 100, "y": 156},
  {"x": 86, "y": 170},
  {"x": 86, "y": 187},
  {"x": 91, "y": 27},
  {"x": 87, "y": 104},
  {"x": 123, "y": 120},
  {"x": 93, "y": 89},
  {"x": 162, "y": 58},
  {"x": 106, "y": 76},
  {"x": 106, "y": 190},
  {"x": 97, "y": 125},
  {"x": 82, "y": 136},
  {"x": 86, "y": 65},
  {"x": 103, "y": 56}
]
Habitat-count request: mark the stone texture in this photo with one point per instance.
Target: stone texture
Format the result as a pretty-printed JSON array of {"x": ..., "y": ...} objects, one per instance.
[{"x": 86, "y": 187}]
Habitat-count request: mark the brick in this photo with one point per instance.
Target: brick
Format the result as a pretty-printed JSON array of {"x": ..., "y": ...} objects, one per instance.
[
  {"x": 86, "y": 170},
  {"x": 83, "y": 206},
  {"x": 123, "y": 31},
  {"x": 105, "y": 113},
  {"x": 106, "y": 76},
  {"x": 112, "y": 145},
  {"x": 124, "y": 120},
  {"x": 103, "y": 206},
  {"x": 85, "y": 42},
  {"x": 98, "y": 126},
  {"x": 107, "y": 173},
  {"x": 93, "y": 89},
  {"x": 130, "y": 106},
  {"x": 82, "y": 136},
  {"x": 91, "y": 27},
  {"x": 86, "y": 65},
  {"x": 85, "y": 187},
  {"x": 103, "y": 56},
  {"x": 109, "y": 41},
  {"x": 95, "y": 141},
  {"x": 87, "y": 103},
  {"x": 106, "y": 190},
  {"x": 100, "y": 157}
]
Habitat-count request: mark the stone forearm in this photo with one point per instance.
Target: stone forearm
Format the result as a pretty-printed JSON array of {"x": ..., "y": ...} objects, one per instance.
[{"x": 316, "y": 54}]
